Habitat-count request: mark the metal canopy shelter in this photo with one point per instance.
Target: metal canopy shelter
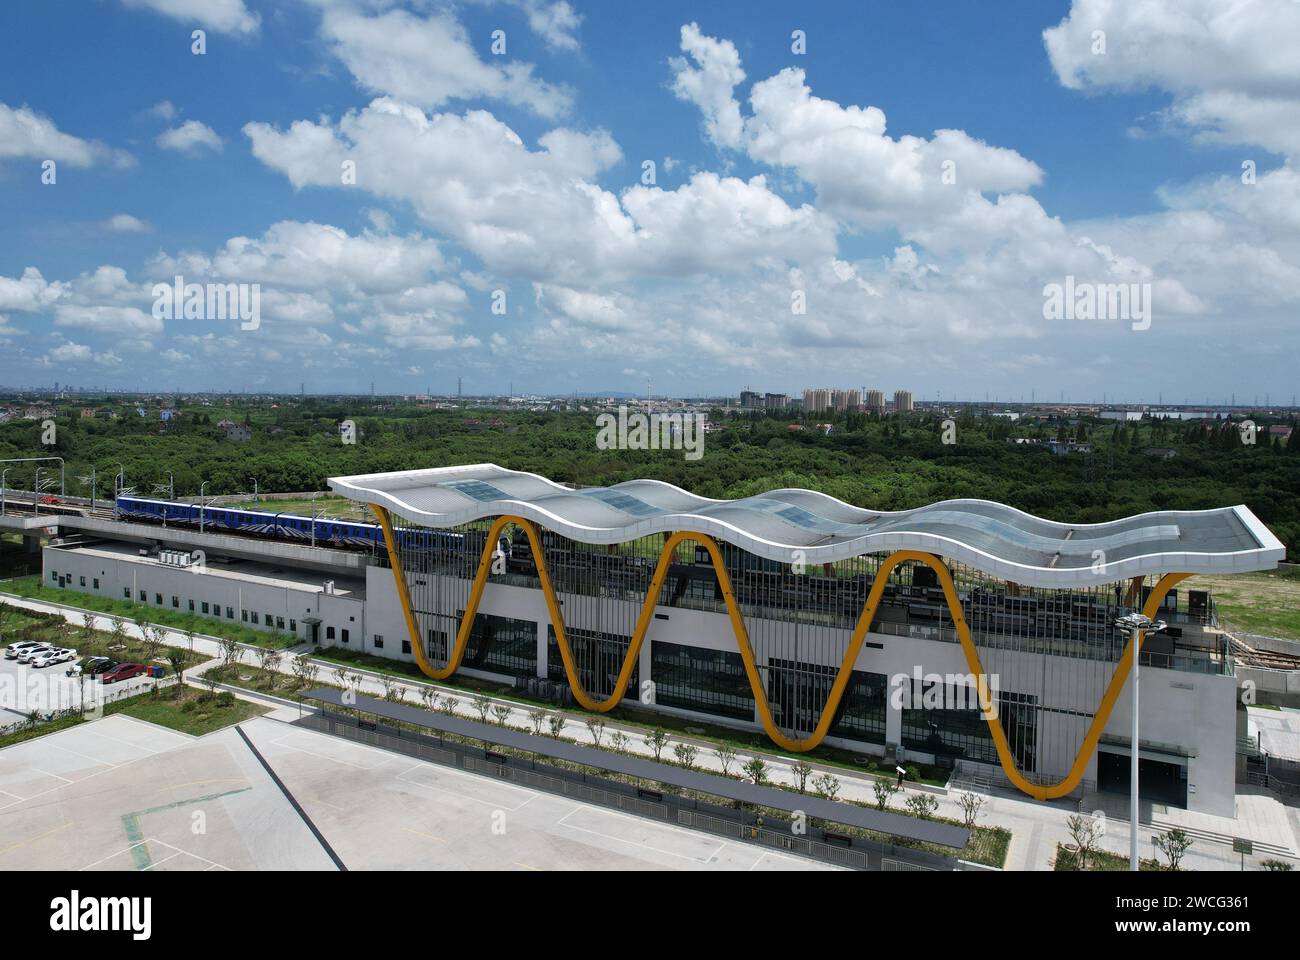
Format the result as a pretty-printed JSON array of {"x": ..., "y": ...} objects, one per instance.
[{"x": 893, "y": 824}]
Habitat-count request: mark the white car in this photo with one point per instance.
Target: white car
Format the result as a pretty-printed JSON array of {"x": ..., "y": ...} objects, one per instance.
[
  {"x": 12, "y": 651},
  {"x": 57, "y": 655},
  {"x": 25, "y": 655}
]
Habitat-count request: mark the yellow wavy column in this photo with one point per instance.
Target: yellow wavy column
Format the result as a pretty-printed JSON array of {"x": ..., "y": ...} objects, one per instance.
[
  {"x": 404, "y": 596},
  {"x": 860, "y": 630}
]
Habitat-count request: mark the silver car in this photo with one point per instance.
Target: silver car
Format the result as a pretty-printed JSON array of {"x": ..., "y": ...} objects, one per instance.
[
  {"x": 25, "y": 655},
  {"x": 12, "y": 651}
]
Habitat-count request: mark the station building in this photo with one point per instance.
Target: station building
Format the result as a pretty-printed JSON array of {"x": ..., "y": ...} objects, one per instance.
[{"x": 965, "y": 634}]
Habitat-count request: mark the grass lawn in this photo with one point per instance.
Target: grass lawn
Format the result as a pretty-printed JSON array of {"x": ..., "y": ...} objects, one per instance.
[
  {"x": 28, "y": 625},
  {"x": 191, "y": 711},
  {"x": 33, "y": 589},
  {"x": 254, "y": 678},
  {"x": 1099, "y": 861},
  {"x": 643, "y": 719},
  {"x": 1265, "y": 603},
  {"x": 333, "y": 506},
  {"x": 185, "y": 709}
]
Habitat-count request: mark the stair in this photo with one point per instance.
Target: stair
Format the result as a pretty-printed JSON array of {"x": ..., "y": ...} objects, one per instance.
[{"x": 1260, "y": 846}]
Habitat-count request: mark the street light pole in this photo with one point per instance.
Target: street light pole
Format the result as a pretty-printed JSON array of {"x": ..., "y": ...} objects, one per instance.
[
  {"x": 320, "y": 512},
  {"x": 1135, "y": 625},
  {"x": 1136, "y": 642}
]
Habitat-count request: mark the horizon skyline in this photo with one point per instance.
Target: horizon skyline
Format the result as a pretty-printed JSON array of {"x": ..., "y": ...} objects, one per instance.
[{"x": 1230, "y": 401}]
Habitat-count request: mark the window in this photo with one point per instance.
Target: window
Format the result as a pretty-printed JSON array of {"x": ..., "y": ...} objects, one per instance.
[
  {"x": 97, "y": 583},
  {"x": 243, "y": 615},
  {"x": 144, "y": 597},
  {"x": 293, "y": 626},
  {"x": 436, "y": 645},
  {"x": 406, "y": 646},
  {"x": 192, "y": 607},
  {"x": 254, "y": 615},
  {"x": 279, "y": 623},
  {"x": 205, "y": 606},
  {"x": 230, "y": 613},
  {"x": 157, "y": 598},
  {"x": 268, "y": 619},
  {"x": 54, "y": 576},
  {"x": 83, "y": 581},
  {"x": 499, "y": 644},
  {"x": 126, "y": 593},
  {"x": 329, "y": 633},
  {"x": 938, "y": 720},
  {"x": 379, "y": 641},
  {"x": 344, "y": 638},
  {"x": 862, "y": 709},
  {"x": 598, "y": 658},
  {"x": 693, "y": 678},
  {"x": 176, "y": 602}
]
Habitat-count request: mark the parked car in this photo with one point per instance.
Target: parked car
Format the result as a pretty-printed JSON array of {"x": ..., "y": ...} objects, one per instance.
[
  {"x": 57, "y": 655},
  {"x": 94, "y": 666},
  {"x": 25, "y": 655},
  {"x": 12, "y": 651},
  {"x": 123, "y": 671}
]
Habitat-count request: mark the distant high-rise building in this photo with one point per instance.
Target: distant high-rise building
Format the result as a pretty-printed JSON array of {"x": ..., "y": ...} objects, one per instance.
[
  {"x": 750, "y": 399},
  {"x": 815, "y": 401},
  {"x": 875, "y": 401},
  {"x": 903, "y": 401},
  {"x": 776, "y": 401}
]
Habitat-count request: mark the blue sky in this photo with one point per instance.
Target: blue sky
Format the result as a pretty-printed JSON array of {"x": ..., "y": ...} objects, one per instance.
[{"x": 1116, "y": 167}]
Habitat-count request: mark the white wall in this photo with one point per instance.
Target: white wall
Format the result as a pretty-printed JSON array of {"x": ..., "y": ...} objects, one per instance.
[{"x": 117, "y": 574}]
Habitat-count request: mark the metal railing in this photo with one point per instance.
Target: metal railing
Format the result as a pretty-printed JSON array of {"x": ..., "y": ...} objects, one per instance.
[{"x": 695, "y": 813}]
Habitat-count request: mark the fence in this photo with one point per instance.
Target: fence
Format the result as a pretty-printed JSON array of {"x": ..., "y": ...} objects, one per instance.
[
  {"x": 101, "y": 698},
  {"x": 857, "y": 852}
]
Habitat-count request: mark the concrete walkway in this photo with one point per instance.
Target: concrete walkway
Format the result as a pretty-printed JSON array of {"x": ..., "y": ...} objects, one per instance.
[{"x": 1036, "y": 827}]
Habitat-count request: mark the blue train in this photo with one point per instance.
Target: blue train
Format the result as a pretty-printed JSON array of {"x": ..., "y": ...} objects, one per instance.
[{"x": 329, "y": 531}]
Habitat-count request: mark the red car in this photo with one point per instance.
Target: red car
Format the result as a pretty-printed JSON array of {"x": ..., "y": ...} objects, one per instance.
[
  {"x": 49, "y": 499},
  {"x": 123, "y": 671}
]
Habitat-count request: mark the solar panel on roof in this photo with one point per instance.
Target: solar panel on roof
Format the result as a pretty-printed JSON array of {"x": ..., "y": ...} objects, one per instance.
[
  {"x": 477, "y": 490},
  {"x": 623, "y": 501}
]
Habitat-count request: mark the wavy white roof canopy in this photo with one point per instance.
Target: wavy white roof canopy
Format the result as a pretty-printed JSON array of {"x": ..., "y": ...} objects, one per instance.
[{"x": 991, "y": 537}]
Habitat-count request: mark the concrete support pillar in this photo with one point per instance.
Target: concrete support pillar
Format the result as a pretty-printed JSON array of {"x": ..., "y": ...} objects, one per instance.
[
  {"x": 32, "y": 543},
  {"x": 542, "y": 645},
  {"x": 893, "y": 720}
]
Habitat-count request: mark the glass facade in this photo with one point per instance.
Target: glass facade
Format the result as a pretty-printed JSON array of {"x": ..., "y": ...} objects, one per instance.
[
  {"x": 496, "y": 644},
  {"x": 798, "y": 693},
  {"x": 862, "y": 710},
  {"x": 707, "y": 681},
  {"x": 597, "y": 656},
  {"x": 935, "y": 722}
]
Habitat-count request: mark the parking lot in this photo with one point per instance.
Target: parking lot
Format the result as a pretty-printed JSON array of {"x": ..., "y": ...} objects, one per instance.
[
  {"x": 119, "y": 793},
  {"x": 24, "y": 688}
]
